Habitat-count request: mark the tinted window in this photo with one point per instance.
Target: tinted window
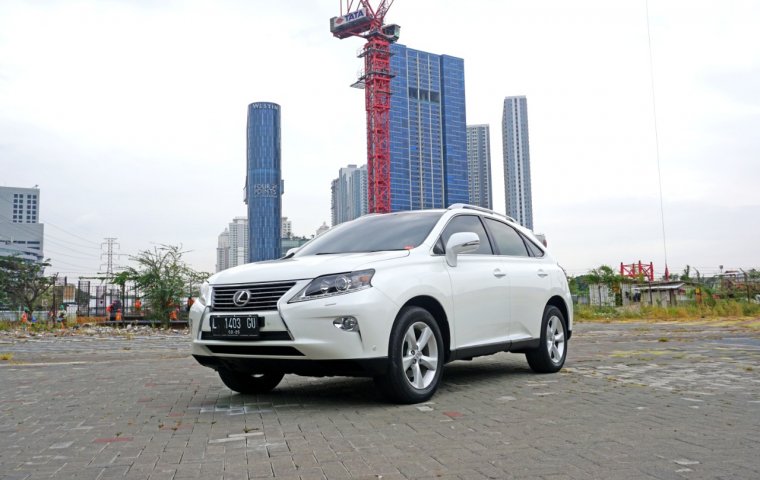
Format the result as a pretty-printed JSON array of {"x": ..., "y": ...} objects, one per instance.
[
  {"x": 508, "y": 241},
  {"x": 468, "y": 223},
  {"x": 534, "y": 250},
  {"x": 390, "y": 231}
]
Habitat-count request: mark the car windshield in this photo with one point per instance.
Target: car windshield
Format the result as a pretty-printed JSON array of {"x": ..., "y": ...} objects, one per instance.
[{"x": 373, "y": 233}]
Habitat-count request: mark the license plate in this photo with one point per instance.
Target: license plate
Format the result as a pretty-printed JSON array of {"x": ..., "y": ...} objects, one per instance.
[{"x": 236, "y": 325}]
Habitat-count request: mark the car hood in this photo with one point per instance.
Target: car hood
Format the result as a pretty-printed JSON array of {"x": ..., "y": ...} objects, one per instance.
[{"x": 299, "y": 268}]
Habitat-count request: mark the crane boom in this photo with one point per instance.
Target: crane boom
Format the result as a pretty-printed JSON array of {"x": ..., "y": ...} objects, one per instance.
[{"x": 368, "y": 22}]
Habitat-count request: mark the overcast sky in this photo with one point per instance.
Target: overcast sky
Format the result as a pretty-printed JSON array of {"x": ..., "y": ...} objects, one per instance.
[{"x": 130, "y": 115}]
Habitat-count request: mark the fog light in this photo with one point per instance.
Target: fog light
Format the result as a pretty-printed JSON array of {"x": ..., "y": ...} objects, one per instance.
[{"x": 348, "y": 324}]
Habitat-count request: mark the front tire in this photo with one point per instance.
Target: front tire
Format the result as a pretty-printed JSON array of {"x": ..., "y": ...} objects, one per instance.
[
  {"x": 549, "y": 356},
  {"x": 250, "y": 384},
  {"x": 415, "y": 357}
]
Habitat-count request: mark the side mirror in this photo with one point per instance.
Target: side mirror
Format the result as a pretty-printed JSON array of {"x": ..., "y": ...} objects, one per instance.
[
  {"x": 291, "y": 252},
  {"x": 461, "y": 242}
]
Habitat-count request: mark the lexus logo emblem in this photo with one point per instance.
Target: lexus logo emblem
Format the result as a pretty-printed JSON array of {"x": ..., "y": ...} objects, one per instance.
[{"x": 241, "y": 298}]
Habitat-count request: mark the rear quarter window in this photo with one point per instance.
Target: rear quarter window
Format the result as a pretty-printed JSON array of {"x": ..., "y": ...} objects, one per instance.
[{"x": 506, "y": 239}]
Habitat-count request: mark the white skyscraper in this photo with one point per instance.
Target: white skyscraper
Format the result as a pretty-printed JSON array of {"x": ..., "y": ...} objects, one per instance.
[
  {"x": 479, "y": 165},
  {"x": 223, "y": 251},
  {"x": 349, "y": 194},
  {"x": 519, "y": 202},
  {"x": 21, "y": 232},
  {"x": 287, "y": 228},
  {"x": 232, "y": 249}
]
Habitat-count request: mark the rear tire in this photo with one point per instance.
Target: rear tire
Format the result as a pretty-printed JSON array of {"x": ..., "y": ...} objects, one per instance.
[
  {"x": 549, "y": 356},
  {"x": 249, "y": 384},
  {"x": 415, "y": 354}
]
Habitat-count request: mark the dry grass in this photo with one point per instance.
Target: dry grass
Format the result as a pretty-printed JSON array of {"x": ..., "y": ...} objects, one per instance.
[
  {"x": 82, "y": 320},
  {"x": 6, "y": 356},
  {"x": 724, "y": 313}
]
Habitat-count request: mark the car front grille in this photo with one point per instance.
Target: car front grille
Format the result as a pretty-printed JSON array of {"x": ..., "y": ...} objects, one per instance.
[{"x": 262, "y": 296}]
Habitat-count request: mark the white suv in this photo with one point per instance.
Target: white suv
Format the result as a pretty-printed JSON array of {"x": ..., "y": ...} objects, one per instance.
[{"x": 392, "y": 296}]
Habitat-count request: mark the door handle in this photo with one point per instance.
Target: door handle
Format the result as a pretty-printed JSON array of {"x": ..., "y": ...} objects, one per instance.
[
  {"x": 498, "y": 273},
  {"x": 542, "y": 274}
]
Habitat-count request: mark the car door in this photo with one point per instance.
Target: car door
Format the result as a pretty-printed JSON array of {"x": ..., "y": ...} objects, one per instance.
[
  {"x": 530, "y": 279},
  {"x": 480, "y": 290}
]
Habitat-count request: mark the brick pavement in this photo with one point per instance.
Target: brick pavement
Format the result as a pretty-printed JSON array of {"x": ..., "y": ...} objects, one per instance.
[{"x": 663, "y": 401}]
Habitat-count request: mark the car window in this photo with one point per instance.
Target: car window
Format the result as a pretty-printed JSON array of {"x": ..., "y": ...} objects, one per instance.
[
  {"x": 506, "y": 238},
  {"x": 372, "y": 233},
  {"x": 467, "y": 223},
  {"x": 534, "y": 249}
]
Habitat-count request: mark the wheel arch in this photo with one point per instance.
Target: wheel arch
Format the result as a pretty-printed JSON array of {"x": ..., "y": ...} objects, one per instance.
[
  {"x": 439, "y": 314},
  {"x": 559, "y": 302}
]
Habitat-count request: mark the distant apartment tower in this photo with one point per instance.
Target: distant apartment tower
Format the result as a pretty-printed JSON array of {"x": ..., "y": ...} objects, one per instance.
[
  {"x": 428, "y": 144},
  {"x": 516, "y": 149},
  {"x": 223, "y": 251},
  {"x": 232, "y": 249},
  {"x": 21, "y": 232},
  {"x": 479, "y": 165},
  {"x": 349, "y": 194},
  {"x": 263, "y": 184},
  {"x": 287, "y": 228}
]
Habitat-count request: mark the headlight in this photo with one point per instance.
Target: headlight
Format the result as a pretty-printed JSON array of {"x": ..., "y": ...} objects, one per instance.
[
  {"x": 205, "y": 297},
  {"x": 337, "y": 284}
]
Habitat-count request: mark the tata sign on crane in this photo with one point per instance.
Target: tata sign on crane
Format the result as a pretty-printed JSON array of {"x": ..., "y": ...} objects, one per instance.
[{"x": 345, "y": 25}]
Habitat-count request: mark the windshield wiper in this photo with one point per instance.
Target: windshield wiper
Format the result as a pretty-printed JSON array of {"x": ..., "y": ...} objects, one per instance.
[{"x": 363, "y": 251}]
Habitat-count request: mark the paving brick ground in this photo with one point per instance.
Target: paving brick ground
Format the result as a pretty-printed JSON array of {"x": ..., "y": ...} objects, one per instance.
[{"x": 664, "y": 401}]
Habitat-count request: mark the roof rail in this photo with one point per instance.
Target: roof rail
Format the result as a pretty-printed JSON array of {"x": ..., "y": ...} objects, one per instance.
[{"x": 480, "y": 209}]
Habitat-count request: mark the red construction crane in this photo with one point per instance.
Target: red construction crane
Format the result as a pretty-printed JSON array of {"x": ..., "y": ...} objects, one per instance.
[{"x": 360, "y": 19}]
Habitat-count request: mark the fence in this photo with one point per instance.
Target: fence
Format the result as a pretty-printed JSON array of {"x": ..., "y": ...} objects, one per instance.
[{"x": 88, "y": 299}]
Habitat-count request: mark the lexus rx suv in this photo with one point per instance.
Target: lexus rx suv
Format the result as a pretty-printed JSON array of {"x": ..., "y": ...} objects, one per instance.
[{"x": 391, "y": 296}]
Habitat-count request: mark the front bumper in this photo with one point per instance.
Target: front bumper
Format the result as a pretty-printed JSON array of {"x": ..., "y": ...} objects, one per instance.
[
  {"x": 369, "y": 367},
  {"x": 301, "y": 338}
]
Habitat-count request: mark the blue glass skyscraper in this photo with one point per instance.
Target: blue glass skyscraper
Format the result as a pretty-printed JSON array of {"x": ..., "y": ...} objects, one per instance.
[
  {"x": 428, "y": 130},
  {"x": 263, "y": 183}
]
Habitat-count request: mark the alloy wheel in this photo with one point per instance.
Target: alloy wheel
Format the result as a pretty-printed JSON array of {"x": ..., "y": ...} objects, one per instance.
[
  {"x": 555, "y": 339},
  {"x": 419, "y": 354}
]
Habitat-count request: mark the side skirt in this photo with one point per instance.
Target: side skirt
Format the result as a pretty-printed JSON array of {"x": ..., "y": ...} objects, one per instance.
[{"x": 469, "y": 353}]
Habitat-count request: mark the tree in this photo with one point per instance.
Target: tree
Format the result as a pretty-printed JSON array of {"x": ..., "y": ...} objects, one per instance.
[
  {"x": 23, "y": 282},
  {"x": 685, "y": 276},
  {"x": 164, "y": 278},
  {"x": 605, "y": 275},
  {"x": 121, "y": 280}
]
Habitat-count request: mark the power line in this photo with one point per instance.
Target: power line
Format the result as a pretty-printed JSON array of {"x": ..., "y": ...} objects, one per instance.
[
  {"x": 26, "y": 227},
  {"x": 72, "y": 234},
  {"x": 59, "y": 228},
  {"x": 70, "y": 256}
]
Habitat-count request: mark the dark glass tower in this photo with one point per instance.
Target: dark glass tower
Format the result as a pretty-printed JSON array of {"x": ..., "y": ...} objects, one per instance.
[
  {"x": 428, "y": 130},
  {"x": 263, "y": 183}
]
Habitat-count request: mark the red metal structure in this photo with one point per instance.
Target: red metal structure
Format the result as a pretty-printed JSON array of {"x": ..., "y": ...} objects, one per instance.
[
  {"x": 638, "y": 270},
  {"x": 360, "y": 19}
]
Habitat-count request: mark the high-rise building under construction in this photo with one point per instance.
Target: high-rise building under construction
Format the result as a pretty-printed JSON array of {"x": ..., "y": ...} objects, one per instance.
[{"x": 428, "y": 141}]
